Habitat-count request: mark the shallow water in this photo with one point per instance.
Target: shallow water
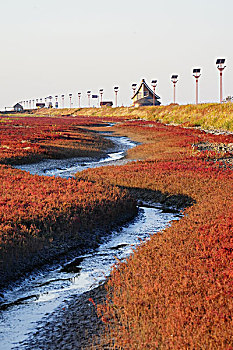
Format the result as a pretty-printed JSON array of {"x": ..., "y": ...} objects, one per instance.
[
  {"x": 38, "y": 296},
  {"x": 33, "y": 299}
]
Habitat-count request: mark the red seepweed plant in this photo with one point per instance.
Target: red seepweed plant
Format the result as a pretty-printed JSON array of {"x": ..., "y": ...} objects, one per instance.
[
  {"x": 175, "y": 291},
  {"x": 38, "y": 212}
]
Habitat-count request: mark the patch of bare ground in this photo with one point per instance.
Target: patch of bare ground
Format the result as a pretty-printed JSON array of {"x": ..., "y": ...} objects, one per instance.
[{"x": 226, "y": 160}]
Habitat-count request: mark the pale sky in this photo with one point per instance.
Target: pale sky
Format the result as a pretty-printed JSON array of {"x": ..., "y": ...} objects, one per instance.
[{"x": 51, "y": 47}]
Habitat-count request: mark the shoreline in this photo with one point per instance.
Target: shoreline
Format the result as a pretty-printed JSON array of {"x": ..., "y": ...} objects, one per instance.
[
  {"x": 57, "y": 251},
  {"x": 50, "y": 252},
  {"x": 75, "y": 324}
]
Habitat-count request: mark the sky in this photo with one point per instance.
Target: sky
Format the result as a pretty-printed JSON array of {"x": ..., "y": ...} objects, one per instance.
[{"x": 54, "y": 47}]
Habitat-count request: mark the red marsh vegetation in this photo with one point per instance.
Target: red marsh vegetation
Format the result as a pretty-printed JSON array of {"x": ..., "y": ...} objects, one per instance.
[
  {"x": 175, "y": 291},
  {"x": 38, "y": 212},
  {"x": 25, "y": 139}
]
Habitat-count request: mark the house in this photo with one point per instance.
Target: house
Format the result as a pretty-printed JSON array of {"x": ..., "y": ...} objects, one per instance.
[
  {"x": 106, "y": 104},
  {"x": 144, "y": 96},
  {"x": 18, "y": 107}
]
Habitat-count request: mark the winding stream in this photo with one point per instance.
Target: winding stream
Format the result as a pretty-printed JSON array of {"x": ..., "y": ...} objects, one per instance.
[
  {"x": 32, "y": 300},
  {"x": 68, "y": 167}
]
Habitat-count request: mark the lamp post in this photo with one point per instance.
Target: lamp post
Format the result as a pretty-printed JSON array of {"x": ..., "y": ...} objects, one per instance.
[
  {"x": 79, "y": 98},
  {"x": 89, "y": 98},
  {"x": 62, "y": 98},
  {"x": 154, "y": 84},
  {"x": 56, "y": 103},
  {"x": 50, "y": 101},
  {"x": 220, "y": 65},
  {"x": 196, "y": 74},
  {"x": 70, "y": 96},
  {"x": 116, "y": 89},
  {"x": 174, "y": 80},
  {"x": 101, "y": 91}
]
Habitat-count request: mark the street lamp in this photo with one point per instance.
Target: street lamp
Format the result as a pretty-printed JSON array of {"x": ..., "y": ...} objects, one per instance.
[
  {"x": 79, "y": 97},
  {"x": 134, "y": 86},
  {"x": 174, "y": 80},
  {"x": 154, "y": 84},
  {"x": 89, "y": 98},
  {"x": 196, "y": 74},
  {"x": 70, "y": 96},
  {"x": 101, "y": 91},
  {"x": 50, "y": 101},
  {"x": 56, "y": 103},
  {"x": 116, "y": 89},
  {"x": 220, "y": 65},
  {"x": 62, "y": 98}
]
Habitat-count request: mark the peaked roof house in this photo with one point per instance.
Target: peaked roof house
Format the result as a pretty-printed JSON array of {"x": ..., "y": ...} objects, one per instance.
[
  {"x": 18, "y": 107},
  {"x": 144, "y": 96}
]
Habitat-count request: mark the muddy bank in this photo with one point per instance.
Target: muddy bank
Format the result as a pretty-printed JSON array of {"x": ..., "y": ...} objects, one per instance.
[
  {"x": 74, "y": 325},
  {"x": 58, "y": 250},
  {"x": 168, "y": 202}
]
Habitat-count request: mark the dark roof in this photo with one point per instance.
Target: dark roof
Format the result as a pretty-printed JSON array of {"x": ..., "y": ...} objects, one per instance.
[
  {"x": 18, "y": 105},
  {"x": 147, "y": 86},
  {"x": 104, "y": 103},
  {"x": 147, "y": 101}
]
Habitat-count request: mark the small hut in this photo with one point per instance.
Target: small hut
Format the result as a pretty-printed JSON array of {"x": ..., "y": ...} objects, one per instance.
[
  {"x": 18, "y": 107},
  {"x": 144, "y": 96},
  {"x": 106, "y": 104},
  {"x": 40, "y": 105}
]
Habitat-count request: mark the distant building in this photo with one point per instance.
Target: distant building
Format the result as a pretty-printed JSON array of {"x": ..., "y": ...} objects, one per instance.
[
  {"x": 40, "y": 105},
  {"x": 144, "y": 96},
  {"x": 228, "y": 99},
  {"x": 106, "y": 104},
  {"x": 18, "y": 107}
]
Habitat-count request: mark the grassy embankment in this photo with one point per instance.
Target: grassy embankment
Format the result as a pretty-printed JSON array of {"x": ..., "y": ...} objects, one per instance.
[
  {"x": 207, "y": 116},
  {"x": 41, "y": 216},
  {"x": 175, "y": 291}
]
